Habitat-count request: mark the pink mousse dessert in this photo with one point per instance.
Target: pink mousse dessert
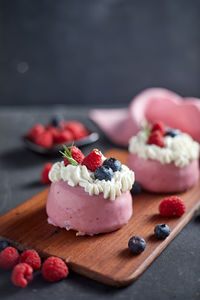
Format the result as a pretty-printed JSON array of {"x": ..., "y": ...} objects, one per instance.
[
  {"x": 164, "y": 161},
  {"x": 90, "y": 202}
]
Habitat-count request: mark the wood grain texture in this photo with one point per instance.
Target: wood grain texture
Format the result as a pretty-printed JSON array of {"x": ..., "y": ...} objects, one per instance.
[{"x": 104, "y": 257}]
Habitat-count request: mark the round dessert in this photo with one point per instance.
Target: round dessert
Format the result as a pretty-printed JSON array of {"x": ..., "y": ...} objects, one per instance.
[
  {"x": 89, "y": 194},
  {"x": 164, "y": 159}
]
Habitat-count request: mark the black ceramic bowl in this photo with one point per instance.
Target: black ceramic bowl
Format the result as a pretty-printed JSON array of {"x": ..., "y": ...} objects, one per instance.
[{"x": 91, "y": 138}]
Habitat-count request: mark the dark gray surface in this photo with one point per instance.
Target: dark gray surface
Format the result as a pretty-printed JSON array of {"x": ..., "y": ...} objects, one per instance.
[
  {"x": 97, "y": 51},
  {"x": 174, "y": 275}
]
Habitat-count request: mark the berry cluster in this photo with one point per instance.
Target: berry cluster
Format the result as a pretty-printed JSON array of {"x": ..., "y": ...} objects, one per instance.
[
  {"x": 157, "y": 133},
  {"x": 53, "y": 268},
  {"x": 156, "y": 136},
  {"x": 57, "y": 132},
  {"x": 169, "y": 207},
  {"x": 103, "y": 170}
]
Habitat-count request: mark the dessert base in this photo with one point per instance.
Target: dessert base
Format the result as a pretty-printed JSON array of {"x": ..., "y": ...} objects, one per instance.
[
  {"x": 73, "y": 208},
  {"x": 163, "y": 178}
]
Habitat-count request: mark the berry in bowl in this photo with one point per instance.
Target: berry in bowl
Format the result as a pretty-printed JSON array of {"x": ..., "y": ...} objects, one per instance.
[{"x": 49, "y": 139}]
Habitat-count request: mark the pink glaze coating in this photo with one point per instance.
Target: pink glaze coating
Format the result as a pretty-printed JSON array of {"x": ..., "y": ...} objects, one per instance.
[
  {"x": 73, "y": 208},
  {"x": 163, "y": 178}
]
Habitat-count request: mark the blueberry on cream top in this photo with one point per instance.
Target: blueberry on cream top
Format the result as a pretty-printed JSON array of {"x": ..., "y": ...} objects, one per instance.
[
  {"x": 172, "y": 146},
  {"x": 109, "y": 176}
]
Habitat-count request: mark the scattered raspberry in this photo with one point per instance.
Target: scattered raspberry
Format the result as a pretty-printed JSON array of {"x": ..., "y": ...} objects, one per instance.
[
  {"x": 22, "y": 274},
  {"x": 64, "y": 137},
  {"x": 76, "y": 128},
  {"x": 156, "y": 138},
  {"x": 76, "y": 154},
  {"x": 31, "y": 257},
  {"x": 9, "y": 257},
  {"x": 159, "y": 126},
  {"x": 93, "y": 160},
  {"x": 45, "y": 173},
  {"x": 45, "y": 139},
  {"x": 35, "y": 131},
  {"x": 54, "y": 269},
  {"x": 172, "y": 206}
]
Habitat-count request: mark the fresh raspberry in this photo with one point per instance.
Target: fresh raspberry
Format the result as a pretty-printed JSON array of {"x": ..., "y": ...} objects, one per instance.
[
  {"x": 35, "y": 131},
  {"x": 64, "y": 136},
  {"x": 45, "y": 173},
  {"x": 9, "y": 257},
  {"x": 76, "y": 128},
  {"x": 54, "y": 269},
  {"x": 156, "y": 138},
  {"x": 93, "y": 160},
  {"x": 31, "y": 257},
  {"x": 54, "y": 132},
  {"x": 159, "y": 126},
  {"x": 172, "y": 206},
  {"x": 22, "y": 274},
  {"x": 76, "y": 154},
  {"x": 45, "y": 139}
]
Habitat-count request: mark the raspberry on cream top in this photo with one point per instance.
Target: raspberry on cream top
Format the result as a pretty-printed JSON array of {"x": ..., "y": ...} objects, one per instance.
[
  {"x": 180, "y": 149},
  {"x": 121, "y": 181}
]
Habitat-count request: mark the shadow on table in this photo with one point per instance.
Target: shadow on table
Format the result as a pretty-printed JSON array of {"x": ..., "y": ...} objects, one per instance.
[
  {"x": 6, "y": 286},
  {"x": 80, "y": 282},
  {"x": 32, "y": 185}
]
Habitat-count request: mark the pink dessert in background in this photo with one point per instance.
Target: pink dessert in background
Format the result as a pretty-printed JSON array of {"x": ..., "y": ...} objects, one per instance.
[
  {"x": 167, "y": 178},
  {"x": 72, "y": 208},
  {"x": 164, "y": 159}
]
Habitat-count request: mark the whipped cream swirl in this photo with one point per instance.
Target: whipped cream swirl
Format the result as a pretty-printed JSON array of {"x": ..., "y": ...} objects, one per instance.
[
  {"x": 122, "y": 180},
  {"x": 180, "y": 149}
]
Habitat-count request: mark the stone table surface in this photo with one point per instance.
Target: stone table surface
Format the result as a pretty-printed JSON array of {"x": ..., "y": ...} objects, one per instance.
[{"x": 174, "y": 275}]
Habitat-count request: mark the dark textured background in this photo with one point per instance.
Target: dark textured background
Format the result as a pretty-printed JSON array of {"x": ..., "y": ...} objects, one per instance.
[{"x": 97, "y": 51}]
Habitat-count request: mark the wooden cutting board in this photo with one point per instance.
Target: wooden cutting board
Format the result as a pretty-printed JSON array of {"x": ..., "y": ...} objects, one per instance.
[{"x": 103, "y": 257}]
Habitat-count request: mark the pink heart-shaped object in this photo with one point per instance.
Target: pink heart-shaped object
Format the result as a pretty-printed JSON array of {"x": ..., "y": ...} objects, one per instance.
[
  {"x": 154, "y": 104},
  {"x": 158, "y": 104}
]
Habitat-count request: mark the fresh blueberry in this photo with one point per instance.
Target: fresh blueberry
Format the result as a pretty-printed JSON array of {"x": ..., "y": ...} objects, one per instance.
[
  {"x": 136, "y": 188},
  {"x": 113, "y": 163},
  {"x": 3, "y": 244},
  {"x": 103, "y": 173},
  {"x": 57, "y": 120},
  {"x": 162, "y": 231},
  {"x": 172, "y": 132},
  {"x": 136, "y": 244}
]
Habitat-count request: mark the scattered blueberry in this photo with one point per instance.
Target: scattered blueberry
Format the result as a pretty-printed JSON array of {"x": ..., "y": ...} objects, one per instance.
[
  {"x": 136, "y": 244},
  {"x": 172, "y": 132},
  {"x": 3, "y": 244},
  {"x": 136, "y": 188},
  {"x": 103, "y": 173},
  {"x": 113, "y": 163},
  {"x": 56, "y": 120},
  {"x": 162, "y": 231}
]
